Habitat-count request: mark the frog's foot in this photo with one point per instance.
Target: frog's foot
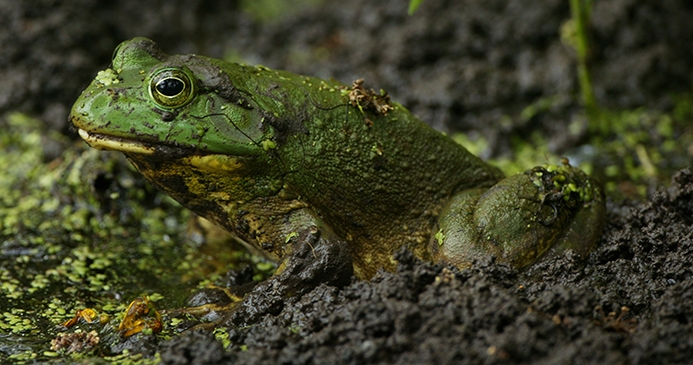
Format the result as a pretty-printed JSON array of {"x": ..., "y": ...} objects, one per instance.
[
  {"x": 539, "y": 213},
  {"x": 208, "y": 306}
]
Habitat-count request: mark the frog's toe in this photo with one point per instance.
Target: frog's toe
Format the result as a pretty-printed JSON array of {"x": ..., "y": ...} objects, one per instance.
[{"x": 541, "y": 212}]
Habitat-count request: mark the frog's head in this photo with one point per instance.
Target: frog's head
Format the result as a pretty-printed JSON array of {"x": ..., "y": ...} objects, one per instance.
[
  {"x": 152, "y": 104},
  {"x": 185, "y": 125}
]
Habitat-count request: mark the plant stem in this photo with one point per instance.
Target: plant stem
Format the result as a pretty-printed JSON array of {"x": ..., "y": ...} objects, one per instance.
[{"x": 581, "y": 12}]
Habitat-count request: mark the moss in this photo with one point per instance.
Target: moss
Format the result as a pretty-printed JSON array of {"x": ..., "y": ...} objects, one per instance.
[
  {"x": 642, "y": 147},
  {"x": 632, "y": 151},
  {"x": 440, "y": 237},
  {"x": 222, "y": 335}
]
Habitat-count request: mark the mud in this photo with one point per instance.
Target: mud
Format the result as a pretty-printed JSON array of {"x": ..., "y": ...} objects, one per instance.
[{"x": 468, "y": 66}]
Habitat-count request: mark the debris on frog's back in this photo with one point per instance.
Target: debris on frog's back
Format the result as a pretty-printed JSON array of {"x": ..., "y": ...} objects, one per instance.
[{"x": 366, "y": 99}]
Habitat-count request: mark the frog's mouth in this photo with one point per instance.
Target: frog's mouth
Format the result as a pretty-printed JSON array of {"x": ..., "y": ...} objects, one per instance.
[
  {"x": 208, "y": 162},
  {"x": 105, "y": 142}
]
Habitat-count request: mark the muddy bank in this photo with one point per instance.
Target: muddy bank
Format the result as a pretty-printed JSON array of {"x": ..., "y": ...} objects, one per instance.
[{"x": 629, "y": 305}]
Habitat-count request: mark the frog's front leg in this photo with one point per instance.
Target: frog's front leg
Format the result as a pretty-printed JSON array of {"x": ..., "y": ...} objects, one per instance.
[
  {"x": 307, "y": 251},
  {"x": 541, "y": 212},
  {"x": 314, "y": 255}
]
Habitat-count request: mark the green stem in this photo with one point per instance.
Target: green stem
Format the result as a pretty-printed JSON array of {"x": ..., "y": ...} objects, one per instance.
[
  {"x": 413, "y": 5},
  {"x": 580, "y": 10}
]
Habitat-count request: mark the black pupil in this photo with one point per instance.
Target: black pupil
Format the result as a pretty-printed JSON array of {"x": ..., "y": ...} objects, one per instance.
[{"x": 170, "y": 86}]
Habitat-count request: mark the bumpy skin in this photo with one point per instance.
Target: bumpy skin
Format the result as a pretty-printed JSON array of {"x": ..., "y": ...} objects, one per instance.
[{"x": 273, "y": 157}]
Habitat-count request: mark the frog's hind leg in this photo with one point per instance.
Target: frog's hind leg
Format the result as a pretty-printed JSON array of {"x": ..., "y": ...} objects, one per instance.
[{"x": 541, "y": 212}]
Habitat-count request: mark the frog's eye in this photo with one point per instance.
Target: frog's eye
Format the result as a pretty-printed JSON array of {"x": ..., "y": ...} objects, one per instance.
[{"x": 171, "y": 88}]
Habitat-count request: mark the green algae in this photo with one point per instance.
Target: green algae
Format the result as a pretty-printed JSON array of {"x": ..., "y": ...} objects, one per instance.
[{"x": 85, "y": 230}]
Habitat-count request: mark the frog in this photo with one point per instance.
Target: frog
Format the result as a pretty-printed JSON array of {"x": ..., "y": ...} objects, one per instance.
[{"x": 295, "y": 165}]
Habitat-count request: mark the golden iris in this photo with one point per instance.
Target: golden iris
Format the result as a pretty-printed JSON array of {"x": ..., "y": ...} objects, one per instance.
[{"x": 171, "y": 88}]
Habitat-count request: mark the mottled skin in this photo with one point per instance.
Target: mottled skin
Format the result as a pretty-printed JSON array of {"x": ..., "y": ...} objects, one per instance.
[{"x": 272, "y": 156}]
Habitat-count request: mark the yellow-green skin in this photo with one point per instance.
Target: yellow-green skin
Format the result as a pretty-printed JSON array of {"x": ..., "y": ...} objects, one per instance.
[{"x": 271, "y": 155}]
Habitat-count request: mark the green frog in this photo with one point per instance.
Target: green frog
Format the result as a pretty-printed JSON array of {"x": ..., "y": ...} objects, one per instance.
[{"x": 284, "y": 161}]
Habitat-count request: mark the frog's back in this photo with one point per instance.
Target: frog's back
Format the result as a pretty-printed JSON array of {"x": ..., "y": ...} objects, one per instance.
[{"x": 363, "y": 168}]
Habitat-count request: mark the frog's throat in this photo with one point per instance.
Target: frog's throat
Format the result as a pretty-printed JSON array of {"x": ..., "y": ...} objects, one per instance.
[{"x": 103, "y": 142}]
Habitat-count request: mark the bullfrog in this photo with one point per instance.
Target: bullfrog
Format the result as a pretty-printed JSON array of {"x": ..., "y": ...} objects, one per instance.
[{"x": 284, "y": 161}]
